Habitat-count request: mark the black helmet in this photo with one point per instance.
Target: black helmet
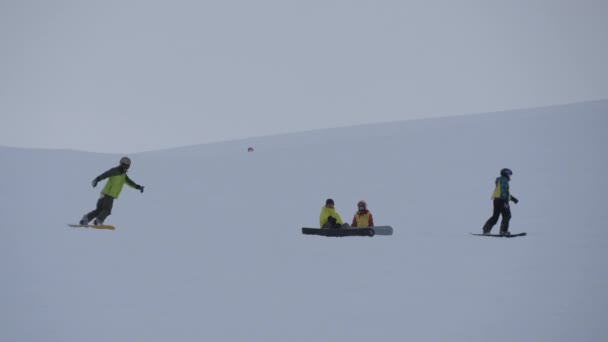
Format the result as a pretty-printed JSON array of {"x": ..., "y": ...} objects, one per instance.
[
  {"x": 329, "y": 201},
  {"x": 125, "y": 161},
  {"x": 506, "y": 172}
]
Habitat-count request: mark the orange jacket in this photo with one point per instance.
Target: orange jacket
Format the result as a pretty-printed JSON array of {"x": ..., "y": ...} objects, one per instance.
[{"x": 363, "y": 218}]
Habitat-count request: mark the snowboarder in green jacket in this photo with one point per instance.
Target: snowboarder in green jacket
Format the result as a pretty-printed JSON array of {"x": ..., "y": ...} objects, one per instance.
[{"x": 117, "y": 177}]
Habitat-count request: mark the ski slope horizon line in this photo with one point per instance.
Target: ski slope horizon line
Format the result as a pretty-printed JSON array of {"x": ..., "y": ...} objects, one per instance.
[{"x": 306, "y": 131}]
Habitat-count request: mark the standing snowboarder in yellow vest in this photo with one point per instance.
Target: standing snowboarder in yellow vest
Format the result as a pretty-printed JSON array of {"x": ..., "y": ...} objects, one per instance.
[
  {"x": 117, "y": 177},
  {"x": 501, "y": 198}
]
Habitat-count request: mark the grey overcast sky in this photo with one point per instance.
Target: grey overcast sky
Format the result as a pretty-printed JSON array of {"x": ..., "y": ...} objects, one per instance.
[{"x": 125, "y": 76}]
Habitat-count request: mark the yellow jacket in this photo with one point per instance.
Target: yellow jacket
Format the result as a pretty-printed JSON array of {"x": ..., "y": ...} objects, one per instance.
[
  {"x": 117, "y": 177},
  {"x": 326, "y": 213}
]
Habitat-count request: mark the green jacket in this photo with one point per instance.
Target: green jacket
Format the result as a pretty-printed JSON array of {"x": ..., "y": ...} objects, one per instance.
[
  {"x": 326, "y": 213},
  {"x": 117, "y": 177}
]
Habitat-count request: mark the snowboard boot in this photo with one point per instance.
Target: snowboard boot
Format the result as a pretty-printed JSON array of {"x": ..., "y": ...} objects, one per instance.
[
  {"x": 97, "y": 222},
  {"x": 84, "y": 220},
  {"x": 486, "y": 229},
  {"x": 504, "y": 230}
]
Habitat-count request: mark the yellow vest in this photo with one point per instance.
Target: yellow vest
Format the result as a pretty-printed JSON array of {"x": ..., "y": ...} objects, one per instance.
[
  {"x": 498, "y": 190},
  {"x": 362, "y": 220}
]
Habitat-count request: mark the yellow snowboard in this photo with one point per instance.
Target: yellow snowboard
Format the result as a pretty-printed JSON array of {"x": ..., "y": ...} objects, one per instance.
[{"x": 105, "y": 226}]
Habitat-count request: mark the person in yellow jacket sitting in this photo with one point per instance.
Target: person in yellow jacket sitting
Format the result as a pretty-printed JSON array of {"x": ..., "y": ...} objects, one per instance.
[
  {"x": 329, "y": 217},
  {"x": 363, "y": 218}
]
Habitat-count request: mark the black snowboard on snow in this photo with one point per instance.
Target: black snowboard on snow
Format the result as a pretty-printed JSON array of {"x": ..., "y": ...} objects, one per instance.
[
  {"x": 498, "y": 235},
  {"x": 339, "y": 232}
]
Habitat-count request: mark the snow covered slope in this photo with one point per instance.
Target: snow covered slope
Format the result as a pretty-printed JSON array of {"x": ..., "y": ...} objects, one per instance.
[{"x": 212, "y": 251}]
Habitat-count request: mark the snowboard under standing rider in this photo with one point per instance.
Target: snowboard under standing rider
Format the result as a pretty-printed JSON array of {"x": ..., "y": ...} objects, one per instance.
[
  {"x": 117, "y": 177},
  {"x": 501, "y": 198}
]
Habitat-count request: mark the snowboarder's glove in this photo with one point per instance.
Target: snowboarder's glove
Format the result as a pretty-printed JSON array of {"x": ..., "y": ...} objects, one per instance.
[
  {"x": 515, "y": 200},
  {"x": 94, "y": 183},
  {"x": 140, "y": 188}
]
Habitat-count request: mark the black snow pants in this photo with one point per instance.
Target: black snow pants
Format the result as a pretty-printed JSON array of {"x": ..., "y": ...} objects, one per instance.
[
  {"x": 332, "y": 223},
  {"x": 501, "y": 207},
  {"x": 103, "y": 209}
]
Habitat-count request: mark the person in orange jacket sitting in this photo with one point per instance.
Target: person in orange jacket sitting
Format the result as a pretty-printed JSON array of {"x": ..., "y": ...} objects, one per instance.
[{"x": 363, "y": 217}]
